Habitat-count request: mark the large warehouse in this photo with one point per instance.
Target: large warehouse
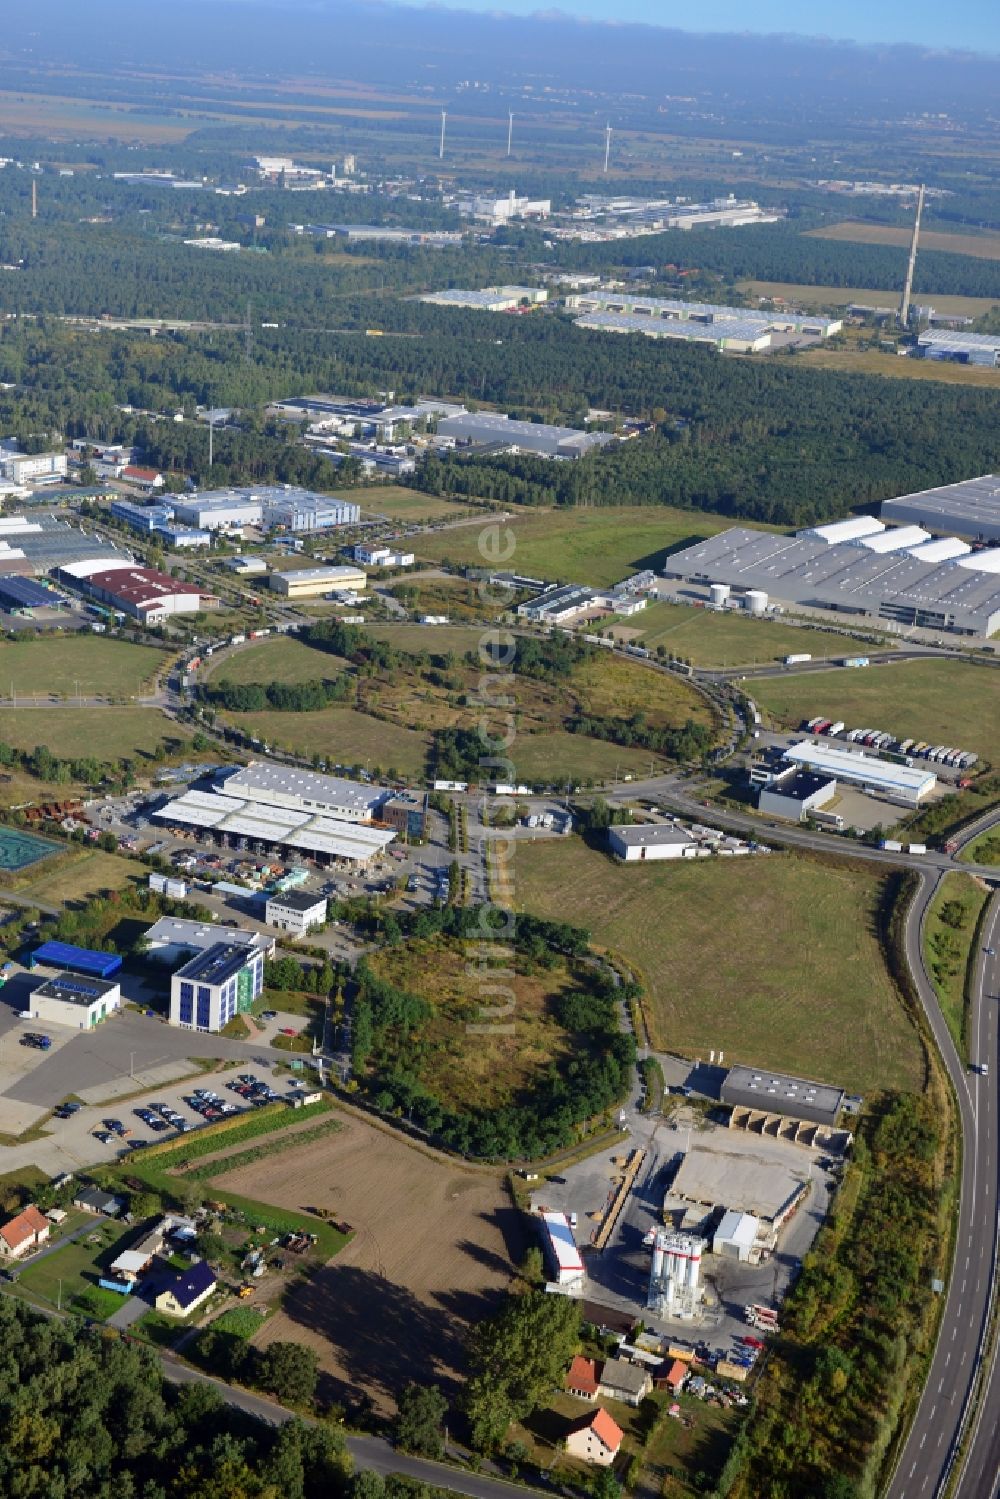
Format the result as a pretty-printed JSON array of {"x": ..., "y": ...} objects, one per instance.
[
  {"x": 905, "y": 785},
  {"x": 528, "y": 437},
  {"x": 961, "y": 348},
  {"x": 777, "y": 1093},
  {"x": 970, "y": 508},
  {"x": 729, "y": 335},
  {"x": 264, "y": 807},
  {"x": 268, "y": 506},
  {"x": 709, "y": 315},
  {"x": 141, "y": 592},
  {"x": 856, "y": 567}
]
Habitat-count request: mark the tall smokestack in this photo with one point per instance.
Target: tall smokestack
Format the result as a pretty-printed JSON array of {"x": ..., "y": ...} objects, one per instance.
[
  {"x": 904, "y": 306},
  {"x": 444, "y": 121},
  {"x": 607, "y": 146},
  {"x": 34, "y": 198}
]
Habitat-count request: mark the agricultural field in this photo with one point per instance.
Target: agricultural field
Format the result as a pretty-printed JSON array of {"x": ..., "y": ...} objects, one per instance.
[
  {"x": 946, "y": 702},
  {"x": 467, "y": 1070},
  {"x": 706, "y": 638},
  {"x": 408, "y": 506},
  {"x": 599, "y": 546},
  {"x": 109, "y": 733},
  {"x": 839, "y": 296},
  {"x": 71, "y": 665},
  {"x": 793, "y": 978},
  {"x": 432, "y": 1247},
  {"x": 981, "y": 246}
]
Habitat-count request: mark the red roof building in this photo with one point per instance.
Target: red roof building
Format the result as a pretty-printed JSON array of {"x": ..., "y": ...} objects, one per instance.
[
  {"x": 143, "y": 478},
  {"x": 143, "y": 592},
  {"x": 582, "y": 1379},
  {"x": 23, "y": 1233}
]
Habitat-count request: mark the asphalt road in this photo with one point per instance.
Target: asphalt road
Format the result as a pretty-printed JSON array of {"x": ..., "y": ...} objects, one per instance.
[{"x": 931, "y": 1452}]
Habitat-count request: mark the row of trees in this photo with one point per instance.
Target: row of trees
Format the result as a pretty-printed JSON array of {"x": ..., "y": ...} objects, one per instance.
[
  {"x": 691, "y": 741},
  {"x": 283, "y": 697}
]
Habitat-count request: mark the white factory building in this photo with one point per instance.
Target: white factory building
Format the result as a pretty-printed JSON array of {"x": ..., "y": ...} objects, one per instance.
[
  {"x": 270, "y": 507},
  {"x": 32, "y": 468},
  {"x": 265, "y": 806},
  {"x": 644, "y": 842},
  {"x": 173, "y": 939},
  {"x": 856, "y": 567},
  {"x": 371, "y": 555},
  {"x": 489, "y": 298},
  {"x": 313, "y": 582},
  {"x": 906, "y": 786},
  {"x": 735, "y": 329},
  {"x": 485, "y": 427},
  {"x": 496, "y": 211},
  {"x": 736, "y": 1236},
  {"x": 75, "y": 1000}
]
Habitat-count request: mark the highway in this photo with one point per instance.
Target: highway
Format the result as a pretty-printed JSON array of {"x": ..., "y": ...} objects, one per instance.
[{"x": 931, "y": 1456}]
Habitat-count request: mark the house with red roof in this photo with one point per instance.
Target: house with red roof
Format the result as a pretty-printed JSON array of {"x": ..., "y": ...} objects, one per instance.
[
  {"x": 583, "y": 1379},
  {"x": 596, "y": 1438},
  {"x": 146, "y": 479},
  {"x": 24, "y": 1233}
]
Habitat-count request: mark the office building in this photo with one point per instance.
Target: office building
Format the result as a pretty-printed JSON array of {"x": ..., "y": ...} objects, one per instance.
[
  {"x": 296, "y": 911},
  {"x": 489, "y": 428},
  {"x": 32, "y": 468},
  {"x": 215, "y": 985},
  {"x": 143, "y": 518},
  {"x": 313, "y": 582},
  {"x": 407, "y": 813}
]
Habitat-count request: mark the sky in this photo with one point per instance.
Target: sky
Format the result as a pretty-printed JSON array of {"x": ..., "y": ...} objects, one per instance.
[{"x": 972, "y": 25}]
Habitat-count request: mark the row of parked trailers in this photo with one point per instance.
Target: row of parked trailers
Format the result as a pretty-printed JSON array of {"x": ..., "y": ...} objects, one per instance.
[{"x": 910, "y": 749}]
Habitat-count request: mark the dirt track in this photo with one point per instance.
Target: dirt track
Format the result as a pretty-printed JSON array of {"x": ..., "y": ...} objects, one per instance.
[{"x": 433, "y": 1247}]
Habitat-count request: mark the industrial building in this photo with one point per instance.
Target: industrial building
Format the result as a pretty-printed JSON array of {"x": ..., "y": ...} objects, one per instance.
[
  {"x": 23, "y": 595},
  {"x": 143, "y": 518},
  {"x": 296, "y": 911},
  {"x": 777, "y": 1093},
  {"x": 879, "y": 574},
  {"x": 268, "y": 506},
  {"x": 489, "y": 299},
  {"x": 265, "y": 807},
  {"x": 74, "y": 1000},
  {"x": 371, "y": 555},
  {"x": 173, "y": 939},
  {"x": 736, "y": 1236},
  {"x": 214, "y": 985},
  {"x": 489, "y": 427},
  {"x": 795, "y": 793},
  {"x": 970, "y": 508},
  {"x": 143, "y": 593},
  {"x": 44, "y": 543},
  {"x": 711, "y": 316},
  {"x": 766, "y": 1183},
  {"x": 495, "y": 212},
  {"x": 407, "y": 813},
  {"x": 562, "y": 605},
  {"x": 961, "y": 348},
  {"x": 76, "y": 959},
  {"x": 246, "y": 566},
  {"x": 655, "y": 841},
  {"x": 904, "y": 785},
  {"x": 728, "y": 335},
  {"x": 313, "y": 582},
  {"x": 389, "y": 234}
]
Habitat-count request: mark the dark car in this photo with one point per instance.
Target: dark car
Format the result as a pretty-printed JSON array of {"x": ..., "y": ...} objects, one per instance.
[
  {"x": 115, "y": 1125},
  {"x": 105, "y": 1136},
  {"x": 158, "y": 1125}
]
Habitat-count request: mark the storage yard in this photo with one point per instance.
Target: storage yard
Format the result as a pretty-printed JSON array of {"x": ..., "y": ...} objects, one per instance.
[{"x": 433, "y": 1248}]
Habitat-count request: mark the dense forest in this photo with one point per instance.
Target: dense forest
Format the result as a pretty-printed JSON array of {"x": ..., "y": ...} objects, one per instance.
[
  {"x": 85, "y": 1415},
  {"x": 772, "y": 441}
]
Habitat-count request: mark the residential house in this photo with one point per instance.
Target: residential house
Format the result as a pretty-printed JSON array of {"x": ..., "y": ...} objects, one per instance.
[
  {"x": 583, "y": 1378},
  {"x": 596, "y": 1438},
  {"x": 187, "y": 1291},
  {"x": 620, "y": 1380},
  {"x": 24, "y": 1233},
  {"x": 93, "y": 1200},
  {"x": 145, "y": 479}
]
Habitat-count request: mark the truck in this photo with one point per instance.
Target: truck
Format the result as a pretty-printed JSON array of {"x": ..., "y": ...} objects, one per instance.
[
  {"x": 797, "y": 658},
  {"x": 891, "y": 846},
  {"x": 837, "y": 727},
  {"x": 856, "y": 661}
]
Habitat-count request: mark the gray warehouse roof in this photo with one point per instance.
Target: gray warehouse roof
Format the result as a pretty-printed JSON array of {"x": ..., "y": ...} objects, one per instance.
[
  {"x": 970, "y": 508},
  {"x": 779, "y": 1093},
  {"x": 856, "y": 580}
]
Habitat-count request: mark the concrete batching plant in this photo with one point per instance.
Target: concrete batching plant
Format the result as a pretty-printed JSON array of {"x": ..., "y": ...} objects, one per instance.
[{"x": 675, "y": 1274}]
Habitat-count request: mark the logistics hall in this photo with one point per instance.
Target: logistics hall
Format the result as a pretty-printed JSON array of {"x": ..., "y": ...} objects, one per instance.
[{"x": 857, "y": 567}]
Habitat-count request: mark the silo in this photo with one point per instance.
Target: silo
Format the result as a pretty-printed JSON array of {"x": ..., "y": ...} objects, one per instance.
[
  {"x": 756, "y": 601},
  {"x": 719, "y": 594}
]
